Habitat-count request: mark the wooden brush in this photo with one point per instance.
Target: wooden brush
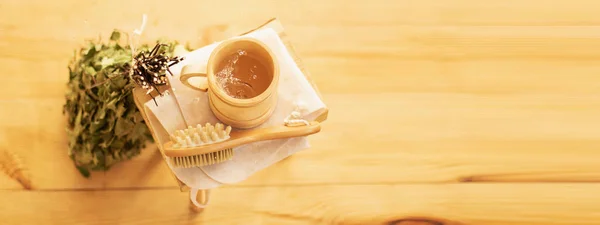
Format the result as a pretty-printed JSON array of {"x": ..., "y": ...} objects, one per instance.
[{"x": 208, "y": 145}]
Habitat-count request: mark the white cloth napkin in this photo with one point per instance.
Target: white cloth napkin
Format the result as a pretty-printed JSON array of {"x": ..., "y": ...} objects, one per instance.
[{"x": 185, "y": 106}]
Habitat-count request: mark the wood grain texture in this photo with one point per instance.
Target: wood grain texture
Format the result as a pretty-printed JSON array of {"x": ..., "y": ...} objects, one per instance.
[
  {"x": 462, "y": 112},
  {"x": 450, "y": 204}
]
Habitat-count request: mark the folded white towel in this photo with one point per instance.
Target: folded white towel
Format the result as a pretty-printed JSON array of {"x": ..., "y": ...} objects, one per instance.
[{"x": 250, "y": 158}]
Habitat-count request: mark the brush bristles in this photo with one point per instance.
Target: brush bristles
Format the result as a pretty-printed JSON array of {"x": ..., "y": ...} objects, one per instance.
[
  {"x": 198, "y": 136},
  {"x": 192, "y": 137},
  {"x": 203, "y": 160}
]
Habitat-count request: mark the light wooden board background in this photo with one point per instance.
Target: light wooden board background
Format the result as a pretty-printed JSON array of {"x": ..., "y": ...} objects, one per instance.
[{"x": 460, "y": 112}]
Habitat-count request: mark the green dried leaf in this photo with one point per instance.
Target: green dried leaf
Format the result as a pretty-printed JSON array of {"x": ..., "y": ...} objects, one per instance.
[
  {"x": 112, "y": 104},
  {"x": 123, "y": 126},
  {"x": 78, "y": 126},
  {"x": 101, "y": 76},
  {"x": 98, "y": 159},
  {"x": 90, "y": 106},
  {"x": 104, "y": 92},
  {"x": 115, "y": 36},
  {"x": 100, "y": 114},
  {"x": 97, "y": 125},
  {"x": 121, "y": 110},
  {"x": 110, "y": 123},
  {"x": 89, "y": 70},
  {"x": 85, "y": 172},
  {"x": 108, "y": 140},
  {"x": 122, "y": 59},
  {"x": 89, "y": 53},
  {"x": 119, "y": 82},
  {"x": 85, "y": 156},
  {"x": 139, "y": 131},
  {"x": 87, "y": 79},
  {"x": 117, "y": 144},
  {"x": 106, "y": 62}
]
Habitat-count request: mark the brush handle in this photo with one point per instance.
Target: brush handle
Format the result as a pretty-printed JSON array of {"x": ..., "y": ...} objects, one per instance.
[{"x": 242, "y": 137}]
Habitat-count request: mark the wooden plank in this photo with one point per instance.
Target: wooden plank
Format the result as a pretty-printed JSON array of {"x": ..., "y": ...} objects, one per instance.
[
  {"x": 406, "y": 26},
  {"x": 473, "y": 204},
  {"x": 450, "y": 43},
  {"x": 435, "y": 12},
  {"x": 339, "y": 75},
  {"x": 336, "y": 75},
  {"x": 86, "y": 18},
  {"x": 413, "y": 42},
  {"x": 420, "y": 137}
]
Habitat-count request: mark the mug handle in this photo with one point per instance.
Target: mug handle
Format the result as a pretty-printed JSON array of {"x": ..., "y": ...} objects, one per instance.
[{"x": 194, "y": 70}]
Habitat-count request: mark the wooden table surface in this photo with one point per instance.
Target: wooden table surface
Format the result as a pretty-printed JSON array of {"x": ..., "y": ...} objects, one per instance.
[{"x": 460, "y": 112}]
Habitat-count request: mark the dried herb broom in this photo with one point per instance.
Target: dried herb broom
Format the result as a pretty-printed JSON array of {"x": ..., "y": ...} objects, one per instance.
[{"x": 104, "y": 124}]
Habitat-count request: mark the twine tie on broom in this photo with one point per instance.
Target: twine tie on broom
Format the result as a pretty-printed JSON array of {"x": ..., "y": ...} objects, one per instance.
[{"x": 148, "y": 69}]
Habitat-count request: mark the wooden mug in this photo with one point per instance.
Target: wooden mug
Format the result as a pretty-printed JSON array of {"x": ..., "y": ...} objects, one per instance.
[{"x": 242, "y": 113}]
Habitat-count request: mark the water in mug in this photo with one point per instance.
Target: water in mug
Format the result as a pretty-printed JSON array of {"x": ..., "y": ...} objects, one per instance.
[{"x": 242, "y": 75}]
